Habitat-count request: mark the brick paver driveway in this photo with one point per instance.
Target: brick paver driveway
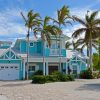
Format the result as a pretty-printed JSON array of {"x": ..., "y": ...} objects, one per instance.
[{"x": 24, "y": 90}]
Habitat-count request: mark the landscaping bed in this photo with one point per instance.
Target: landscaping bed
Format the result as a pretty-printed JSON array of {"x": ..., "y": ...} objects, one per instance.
[{"x": 54, "y": 77}]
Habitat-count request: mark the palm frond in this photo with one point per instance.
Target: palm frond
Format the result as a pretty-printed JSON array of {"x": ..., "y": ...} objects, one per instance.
[
  {"x": 23, "y": 17},
  {"x": 93, "y": 15},
  {"x": 79, "y": 20},
  {"x": 78, "y": 32}
]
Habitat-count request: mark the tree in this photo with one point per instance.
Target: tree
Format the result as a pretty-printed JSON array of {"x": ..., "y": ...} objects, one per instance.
[
  {"x": 83, "y": 44},
  {"x": 96, "y": 57},
  {"x": 46, "y": 30},
  {"x": 32, "y": 20},
  {"x": 63, "y": 16},
  {"x": 90, "y": 30},
  {"x": 96, "y": 61},
  {"x": 72, "y": 46}
]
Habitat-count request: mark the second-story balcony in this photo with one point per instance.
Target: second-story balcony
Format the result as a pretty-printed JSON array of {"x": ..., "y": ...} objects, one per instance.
[{"x": 54, "y": 52}]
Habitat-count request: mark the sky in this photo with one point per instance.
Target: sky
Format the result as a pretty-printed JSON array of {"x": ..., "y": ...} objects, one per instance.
[{"x": 12, "y": 24}]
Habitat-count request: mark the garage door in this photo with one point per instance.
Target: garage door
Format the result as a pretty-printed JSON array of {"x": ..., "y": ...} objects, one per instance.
[{"x": 9, "y": 72}]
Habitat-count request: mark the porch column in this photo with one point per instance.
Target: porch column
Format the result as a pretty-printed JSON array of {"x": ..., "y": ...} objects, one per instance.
[
  {"x": 43, "y": 68},
  {"x": 66, "y": 68},
  {"x": 46, "y": 68},
  {"x": 60, "y": 67},
  {"x": 24, "y": 69}
]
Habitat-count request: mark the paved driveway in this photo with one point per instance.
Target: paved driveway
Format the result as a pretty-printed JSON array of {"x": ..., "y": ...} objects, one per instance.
[{"x": 23, "y": 90}]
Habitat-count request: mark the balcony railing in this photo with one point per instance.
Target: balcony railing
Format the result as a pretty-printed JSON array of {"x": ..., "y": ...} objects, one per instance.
[{"x": 54, "y": 52}]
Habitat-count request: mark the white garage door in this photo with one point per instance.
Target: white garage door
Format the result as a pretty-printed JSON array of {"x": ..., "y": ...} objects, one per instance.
[{"x": 9, "y": 72}]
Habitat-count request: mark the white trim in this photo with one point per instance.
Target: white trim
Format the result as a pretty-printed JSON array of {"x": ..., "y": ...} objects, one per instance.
[
  {"x": 8, "y": 64},
  {"x": 66, "y": 68},
  {"x": 23, "y": 69},
  {"x": 30, "y": 45},
  {"x": 75, "y": 60},
  {"x": 10, "y": 50},
  {"x": 10, "y": 59},
  {"x": 47, "y": 70},
  {"x": 53, "y": 64}
]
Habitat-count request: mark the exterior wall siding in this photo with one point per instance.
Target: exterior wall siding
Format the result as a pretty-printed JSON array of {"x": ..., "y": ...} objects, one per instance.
[{"x": 23, "y": 47}]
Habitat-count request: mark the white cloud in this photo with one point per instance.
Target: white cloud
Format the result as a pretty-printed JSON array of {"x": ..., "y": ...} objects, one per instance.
[{"x": 11, "y": 23}]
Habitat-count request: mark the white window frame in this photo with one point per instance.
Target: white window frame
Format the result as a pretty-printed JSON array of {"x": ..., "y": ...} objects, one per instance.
[{"x": 32, "y": 45}]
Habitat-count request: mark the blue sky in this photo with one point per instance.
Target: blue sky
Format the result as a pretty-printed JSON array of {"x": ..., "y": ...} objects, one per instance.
[{"x": 12, "y": 24}]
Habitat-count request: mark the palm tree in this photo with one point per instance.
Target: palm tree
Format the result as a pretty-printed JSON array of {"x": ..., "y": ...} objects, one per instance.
[
  {"x": 46, "y": 30},
  {"x": 90, "y": 30},
  {"x": 63, "y": 17},
  {"x": 82, "y": 43},
  {"x": 71, "y": 45},
  {"x": 32, "y": 20}
]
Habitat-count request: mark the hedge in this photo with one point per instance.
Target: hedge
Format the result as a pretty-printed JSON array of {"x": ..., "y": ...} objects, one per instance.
[{"x": 41, "y": 79}]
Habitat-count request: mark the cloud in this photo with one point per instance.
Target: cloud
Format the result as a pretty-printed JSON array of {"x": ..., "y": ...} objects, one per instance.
[{"x": 11, "y": 23}]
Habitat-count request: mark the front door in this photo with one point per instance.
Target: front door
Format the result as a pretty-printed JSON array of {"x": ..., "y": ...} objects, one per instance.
[{"x": 52, "y": 69}]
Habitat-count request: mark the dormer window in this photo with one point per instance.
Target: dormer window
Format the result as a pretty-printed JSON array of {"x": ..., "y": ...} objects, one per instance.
[{"x": 31, "y": 44}]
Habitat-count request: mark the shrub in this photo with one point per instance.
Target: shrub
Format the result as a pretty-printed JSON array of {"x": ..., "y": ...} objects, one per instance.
[
  {"x": 96, "y": 74},
  {"x": 62, "y": 77},
  {"x": 52, "y": 78},
  {"x": 38, "y": 72},
  {"x": 58, "y": 75},
  {"x": 70, "y": 77},
  {"x": 86, "y": 74},
  {"x": 55, "y": 77},
  {"x": 40, "y": 79}
]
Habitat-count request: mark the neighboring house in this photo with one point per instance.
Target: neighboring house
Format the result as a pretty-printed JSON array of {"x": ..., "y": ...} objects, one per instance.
[
  {"x": 13, "y": 60},
  {"x": 5, "y": 44},
  {"x": 76, "y": 61}
]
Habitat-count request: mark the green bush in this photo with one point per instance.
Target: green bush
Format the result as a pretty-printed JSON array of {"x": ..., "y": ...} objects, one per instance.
[
  {"x": 62, "y": 77},
  {"x": 86, "y": 74},
  {"x": 55, "y": 77},
  {"x": 38, "y": 72},
  {"x": 70, "y": 77},
  {"x": 96, "y": 74},
  {"x": 39, "y": 79},
  {"x": 52, "y": 78}
]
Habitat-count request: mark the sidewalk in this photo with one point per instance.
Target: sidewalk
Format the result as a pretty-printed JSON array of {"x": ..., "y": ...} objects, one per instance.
[{"x": 2, "y": 97}]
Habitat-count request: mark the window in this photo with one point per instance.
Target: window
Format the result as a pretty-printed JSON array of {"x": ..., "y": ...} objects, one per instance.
[
  {"x": 58, "y": 45},
  {"x": 74, "y": 67},
  {"x": 6, "y": 67},
  {"x": 2, "y": 67},
  {"x": 31, "y": 68},
  {"x": 31, "y": 44}
]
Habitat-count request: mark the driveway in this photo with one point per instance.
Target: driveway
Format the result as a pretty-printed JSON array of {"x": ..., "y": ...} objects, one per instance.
[{"x": 24, "y": 90}]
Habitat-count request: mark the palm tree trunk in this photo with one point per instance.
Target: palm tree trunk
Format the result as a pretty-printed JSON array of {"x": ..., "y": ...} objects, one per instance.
[
  {"x": 60, "y": 49},
  {"x": 88, "y": 56},
  {"x": 27, "y": 55},
  {"x": 43, "y": 58},
  {"x": 91, "y": 54}
]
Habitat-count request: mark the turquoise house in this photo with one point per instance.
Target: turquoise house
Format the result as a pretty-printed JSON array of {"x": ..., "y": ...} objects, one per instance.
[
  {"x": 13, "y": 60},
  {"x": 76, "y": 62}
]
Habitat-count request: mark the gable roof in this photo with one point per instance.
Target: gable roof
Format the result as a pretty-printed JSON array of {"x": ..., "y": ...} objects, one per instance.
[
  {"x": 4, "y": 51},
  {"x": 71, "y": 53}
]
